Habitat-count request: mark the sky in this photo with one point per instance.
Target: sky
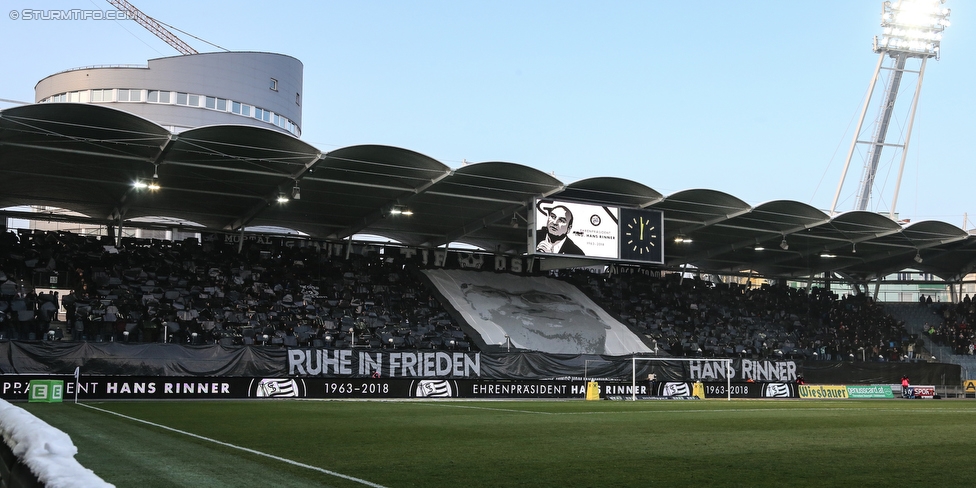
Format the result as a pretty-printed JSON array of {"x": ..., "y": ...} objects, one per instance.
[{"x": 759, "y": 99}]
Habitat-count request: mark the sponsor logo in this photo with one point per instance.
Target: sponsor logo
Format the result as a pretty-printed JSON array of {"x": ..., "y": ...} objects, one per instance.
[
  {"x": 872, "y": 391},
  {"x": 824, "y": 391},
  {"x": 921, "y": 391}
]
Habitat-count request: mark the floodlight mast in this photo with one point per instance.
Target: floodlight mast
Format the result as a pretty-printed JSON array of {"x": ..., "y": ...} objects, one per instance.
[{"x": 912, "y": 29}]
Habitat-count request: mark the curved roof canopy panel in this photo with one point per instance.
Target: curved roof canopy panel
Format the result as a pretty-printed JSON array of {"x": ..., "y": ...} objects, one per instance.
[
  {"x": 354, "y": 189},
  {"x": 223, "y": 176},
  {"x": 75, "y": 156},
  {"x": 476, "y": 204},
  {"x": 86, "y": 158},
  {"x": 611, "y": 191}
]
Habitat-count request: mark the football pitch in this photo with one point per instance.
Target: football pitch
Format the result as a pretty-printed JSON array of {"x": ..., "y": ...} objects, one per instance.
[{"x": 300, "y": 443}]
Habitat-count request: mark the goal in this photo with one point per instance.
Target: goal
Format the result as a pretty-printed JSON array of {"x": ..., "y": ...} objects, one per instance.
[{"x": 633, "y": 371}]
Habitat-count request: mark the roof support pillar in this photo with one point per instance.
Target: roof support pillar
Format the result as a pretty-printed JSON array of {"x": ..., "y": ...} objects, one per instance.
[{"x": 118, "y": 233}]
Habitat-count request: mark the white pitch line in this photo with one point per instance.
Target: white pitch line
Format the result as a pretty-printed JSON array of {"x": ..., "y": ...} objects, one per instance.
[
  {"x": 452, "y": 405},
  {"x": 240, "y": 448},
  {"x": 780, "y": 409}
]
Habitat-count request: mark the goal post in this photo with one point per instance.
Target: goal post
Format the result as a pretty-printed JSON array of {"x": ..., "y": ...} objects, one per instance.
[{"x": 633, "y": 371}]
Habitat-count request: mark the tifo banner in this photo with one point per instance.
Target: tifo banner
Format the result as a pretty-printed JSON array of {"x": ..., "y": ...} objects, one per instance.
[
  {"x": 419, "y": 364},
  {"x": 535, "y": 313},
  {"x": 743, "y": 369},
  {"x": 155, "y": 359}
]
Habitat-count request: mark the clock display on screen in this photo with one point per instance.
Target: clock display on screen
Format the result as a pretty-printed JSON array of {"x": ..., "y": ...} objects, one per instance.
[{"x": 641, "y": 234}]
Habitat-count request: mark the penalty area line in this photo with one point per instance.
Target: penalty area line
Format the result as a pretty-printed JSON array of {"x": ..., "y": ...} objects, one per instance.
[{"x": 240, "y": 448}]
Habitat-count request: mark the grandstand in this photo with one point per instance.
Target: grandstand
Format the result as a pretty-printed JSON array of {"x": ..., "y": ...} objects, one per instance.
[
  {"x": 213, "y": 260},
  {"x": 246, "y": 268},
  {"x": 282, "y": 293}
]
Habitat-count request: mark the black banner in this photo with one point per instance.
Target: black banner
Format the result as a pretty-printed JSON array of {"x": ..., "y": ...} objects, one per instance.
[
  {"x": 16, "y": 387},
  {"x": 420, "y": 257},
  {"x": 155, "y": 359}
]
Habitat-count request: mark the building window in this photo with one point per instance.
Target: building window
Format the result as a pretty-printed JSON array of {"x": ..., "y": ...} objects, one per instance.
[
  {"x": 221, "y": 104},
  {"x": 274, "y": 84},
  {"x": 126, "y": 95},
  {"x": 157, "y": 96},
  {"x": 210, "y": 102},
  {"x": 241, "y": 109},
  {"x": 181, "y": 98},
  {"x": 194, "y": 100},
  {"x": 298, "y": 99}
]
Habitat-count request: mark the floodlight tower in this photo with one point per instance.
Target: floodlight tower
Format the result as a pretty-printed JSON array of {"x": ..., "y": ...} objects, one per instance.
[{"x": 912, "y": 29}]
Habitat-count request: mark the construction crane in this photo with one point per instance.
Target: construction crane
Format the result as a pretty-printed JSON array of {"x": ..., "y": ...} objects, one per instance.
[{"x": 153, "y": 26}]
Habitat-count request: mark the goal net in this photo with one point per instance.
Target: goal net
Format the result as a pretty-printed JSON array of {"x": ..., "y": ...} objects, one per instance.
[{"x": 640, "y": 363}]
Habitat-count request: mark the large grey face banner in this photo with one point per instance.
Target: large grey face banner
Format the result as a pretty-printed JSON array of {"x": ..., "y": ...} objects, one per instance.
[{"x": 534, "y": 313}]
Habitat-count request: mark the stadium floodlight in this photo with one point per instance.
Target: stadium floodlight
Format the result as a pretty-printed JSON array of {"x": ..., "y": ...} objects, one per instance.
[
  {"x": 282, "y": 198},
  {"x": 401, "y": 210},
  {"x": 918, "y": 257},
  {"x": 912, "y": 27},
  {"x": 784, "y": 245},
  {"x": 153, "y": 184}
]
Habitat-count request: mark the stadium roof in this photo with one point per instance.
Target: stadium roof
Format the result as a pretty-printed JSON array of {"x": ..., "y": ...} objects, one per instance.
[{"x": 85, "y": 158}]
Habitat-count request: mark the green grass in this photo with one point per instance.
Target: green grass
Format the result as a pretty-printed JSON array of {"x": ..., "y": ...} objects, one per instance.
[{"x": 537, "y": 443}]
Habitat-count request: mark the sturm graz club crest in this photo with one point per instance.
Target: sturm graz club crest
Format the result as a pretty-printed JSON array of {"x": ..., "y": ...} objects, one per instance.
[
  {"x": 676, "y": 389},
  {"x": 433, "y": 388},
  {"x": 778, "y": 390},
  {"x": 276, "y": 388}
]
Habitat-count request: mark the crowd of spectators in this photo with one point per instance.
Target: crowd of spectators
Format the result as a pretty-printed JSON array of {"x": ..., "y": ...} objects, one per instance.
[
  {"x": 185, "y": 292},
  {"x": 192, "y": 293},
  {"x": 691, "y": 317},
  {"x": 956, "y": 329}
]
